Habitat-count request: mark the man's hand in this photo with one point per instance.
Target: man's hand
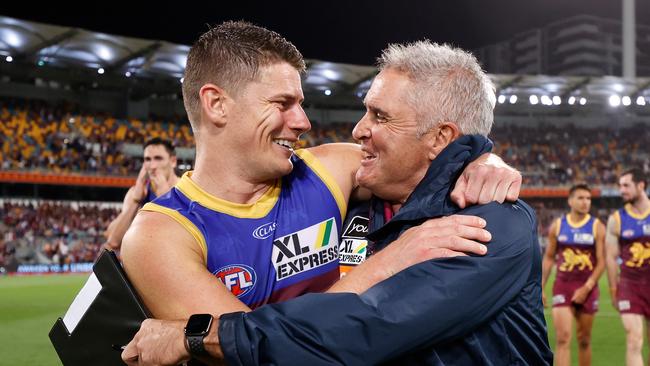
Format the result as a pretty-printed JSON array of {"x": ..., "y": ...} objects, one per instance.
[
  {"x": 450, "y": 236},
  {"x": 159, "y": 182},
  {"x": 486, "y": 179},
  {"x": 580, "y": 295},
  {"x": 139, "y": 191},
  {"x": 158, "y": 342}
]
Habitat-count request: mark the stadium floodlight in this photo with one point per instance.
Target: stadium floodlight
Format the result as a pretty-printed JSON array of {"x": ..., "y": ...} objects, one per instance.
[
  {"x": 546, "y": 100},
  {"x": 557, "y": 100},
  {"x": 640, "y": 100},
  {"x": 127, "y": 74},
  {"x": 533, "y": 99},
  {"x": 614, "y": 100},
  {"x": 583, "y": 101},
  {"x": 572, "y": 100},
  {"x": 41, "y": 63},
  {"x": 182, "y": 79},
  {"x": 513, "y": 99},
  {"x": 100, "y": 71},
  {"x": 501, "y": 99},
  {"x": 328, "y": 92},
  {"x": 626, "y": 100},
  {"x": 9, "y": 58}
]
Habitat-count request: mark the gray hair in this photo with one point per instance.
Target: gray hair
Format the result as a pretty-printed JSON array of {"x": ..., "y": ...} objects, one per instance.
[{"x": 450, "y": 85}]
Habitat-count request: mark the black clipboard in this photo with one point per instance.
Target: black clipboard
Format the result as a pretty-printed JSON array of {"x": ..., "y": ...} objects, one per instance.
[{"x": 110, "y": 321}]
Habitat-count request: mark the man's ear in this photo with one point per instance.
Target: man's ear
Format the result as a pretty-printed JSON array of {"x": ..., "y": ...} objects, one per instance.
[
  {"x": 441, "y": 136},
  {"x": 215, "y": 104}
]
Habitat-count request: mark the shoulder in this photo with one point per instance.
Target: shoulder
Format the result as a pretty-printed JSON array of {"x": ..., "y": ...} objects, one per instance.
[{"x": 512, "y": 225}]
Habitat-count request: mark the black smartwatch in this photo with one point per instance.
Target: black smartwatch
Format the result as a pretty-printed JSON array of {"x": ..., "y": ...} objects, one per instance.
[{"x": 196, "y": 329}]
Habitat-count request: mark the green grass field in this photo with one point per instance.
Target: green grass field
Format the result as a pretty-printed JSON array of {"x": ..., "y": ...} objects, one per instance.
[{"x": 29, "y": 306}]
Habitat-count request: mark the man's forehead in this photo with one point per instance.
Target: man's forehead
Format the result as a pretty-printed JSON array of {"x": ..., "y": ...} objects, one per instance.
[
  {"x": 152, "y": 150},
  {"x": 281, "y": 78}
]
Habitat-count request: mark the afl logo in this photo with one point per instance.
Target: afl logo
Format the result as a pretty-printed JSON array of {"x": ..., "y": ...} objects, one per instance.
[
  {"x": 239, "y": 279},
  {"x": 264, "y": 231}
]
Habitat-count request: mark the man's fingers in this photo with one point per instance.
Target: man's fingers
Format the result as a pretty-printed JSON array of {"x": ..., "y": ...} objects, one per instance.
[
  {"x": 514, "y": 189},
  {"x": 463, "y": 245},
  {"x": 458, "y": 194},
  {"x": 469, "y": 220},
  {"x": 130, "y": 354},
  {"x": 502, "y": 191},
  {"x": 488, "y": 191}
]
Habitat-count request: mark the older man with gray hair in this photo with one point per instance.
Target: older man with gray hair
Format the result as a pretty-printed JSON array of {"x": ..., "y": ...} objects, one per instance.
[{"x": 429, "y": 112}]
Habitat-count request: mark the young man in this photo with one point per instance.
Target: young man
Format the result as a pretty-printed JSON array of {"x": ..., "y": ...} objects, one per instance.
[
  {"x": 157, "y": 176},
  {"x": 628, "y": 236},
  {"x": 576, "y": 244}
]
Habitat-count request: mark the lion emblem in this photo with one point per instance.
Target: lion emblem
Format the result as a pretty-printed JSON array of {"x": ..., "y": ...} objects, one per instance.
[
  {"x": 640, "y": 254},
  {"x": 575, "y": 258}
]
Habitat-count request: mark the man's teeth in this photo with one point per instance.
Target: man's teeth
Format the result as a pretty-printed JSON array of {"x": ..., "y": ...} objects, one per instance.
[{"x": 285, "y": 143}]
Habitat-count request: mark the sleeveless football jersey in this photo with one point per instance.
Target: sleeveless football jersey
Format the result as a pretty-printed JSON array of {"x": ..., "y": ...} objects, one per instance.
[
  {"x": 576, "y": 248},
  {"x": 283, "y": 245},
  {"x": 634, "y": 242}
]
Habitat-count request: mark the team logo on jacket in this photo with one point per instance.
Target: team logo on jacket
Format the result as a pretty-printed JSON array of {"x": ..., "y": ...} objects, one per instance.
[
  {"x": 239, "y": 279},
  {"x": 353, "y": 247},
  {"x": 306, "y": 249}
]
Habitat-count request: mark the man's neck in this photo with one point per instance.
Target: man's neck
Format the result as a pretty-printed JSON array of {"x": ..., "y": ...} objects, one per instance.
[
  {"x": 576, "y": 217},
  {"x": 227, "y": 183},
  {"x": 641, "y": 205}
]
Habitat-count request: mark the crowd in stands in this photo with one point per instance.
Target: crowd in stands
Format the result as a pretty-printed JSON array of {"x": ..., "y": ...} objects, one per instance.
[
  {"x": 35, "y": 136},
  {"x": 52, "y": 232}
]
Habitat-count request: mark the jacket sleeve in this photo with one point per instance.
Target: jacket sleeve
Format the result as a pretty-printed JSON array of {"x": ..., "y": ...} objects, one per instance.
[{"x": 424, "y": 305}]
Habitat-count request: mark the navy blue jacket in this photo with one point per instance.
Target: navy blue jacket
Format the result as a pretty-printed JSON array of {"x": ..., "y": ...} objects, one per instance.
[{"x": 473, "y": 310}]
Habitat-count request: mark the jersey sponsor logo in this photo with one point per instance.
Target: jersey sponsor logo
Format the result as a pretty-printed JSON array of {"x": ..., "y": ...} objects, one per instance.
[
  {"x": 358, "y": 228},
  {"x": 646, "y": 229},
  {"x": 628, "y": 233},
  {"x": 575, "y": 258},
  {"x": 305, "y": 249},
  {"x": 239, "y": 279},
  {"x": 583, "y": 238},
  {"x": 562, "y": 238},
  {"x": 640, "y": 254},
  {"x": 559, "y": 299},
  {"x": 264, "y": 231},
  {"x": 352, "y": 251}
]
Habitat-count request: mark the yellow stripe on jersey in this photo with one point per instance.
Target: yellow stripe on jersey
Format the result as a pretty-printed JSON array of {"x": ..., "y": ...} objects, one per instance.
[
  {"x": 326, "y": 177},
  {"x": 184, "y": 221},
  {"x": 630, "y": 211},
  {"x": 255, "y": 210},
  {"x": 578, "y": 224}
]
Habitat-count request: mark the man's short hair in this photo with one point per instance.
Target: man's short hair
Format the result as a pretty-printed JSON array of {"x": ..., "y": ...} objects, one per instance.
[
  {"x": 579, "y": 186},
  {"x": 165, "y": 143},
  {"x": 638, "y": 176},
  {"x": 230, "y": 55},
  {"x": 450, "y": 85}
]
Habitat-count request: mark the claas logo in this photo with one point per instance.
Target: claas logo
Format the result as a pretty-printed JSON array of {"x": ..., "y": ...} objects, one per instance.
[{"x": 239, "y": 279}]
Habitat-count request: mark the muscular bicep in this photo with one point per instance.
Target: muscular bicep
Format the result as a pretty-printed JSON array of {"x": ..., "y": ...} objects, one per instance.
[
  {"x": 601, "y": 232},
  {"x": 551, "y": 248},
  {"x": 167, "y": 268}
]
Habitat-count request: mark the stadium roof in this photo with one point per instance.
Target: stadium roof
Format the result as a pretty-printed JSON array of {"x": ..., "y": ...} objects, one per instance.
[{"x": 326, "y": 83}]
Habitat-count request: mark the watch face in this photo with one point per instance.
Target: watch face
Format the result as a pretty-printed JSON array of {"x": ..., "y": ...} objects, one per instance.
[{"x": 198, "y": 324}]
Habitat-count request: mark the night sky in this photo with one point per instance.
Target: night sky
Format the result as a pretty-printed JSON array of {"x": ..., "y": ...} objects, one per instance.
[{"x": 340, "y": 31}]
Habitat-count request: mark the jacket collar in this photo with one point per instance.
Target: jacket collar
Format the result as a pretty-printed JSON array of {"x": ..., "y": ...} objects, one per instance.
[{"x": 430, "y": 198}]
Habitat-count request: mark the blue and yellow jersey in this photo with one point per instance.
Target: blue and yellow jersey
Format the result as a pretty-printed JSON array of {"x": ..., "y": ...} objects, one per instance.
[
  {"x": 283, "y": 245},
  {"x": 150, "y": 194},
  {"x": 634, "y": 242},
  {"x": 576, "y": 248}
]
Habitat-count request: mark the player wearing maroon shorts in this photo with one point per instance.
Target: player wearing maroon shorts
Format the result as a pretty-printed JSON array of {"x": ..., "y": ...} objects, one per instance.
[
  {"x": 576, "y": 244},
  {"x": 628, "y": 236}
]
